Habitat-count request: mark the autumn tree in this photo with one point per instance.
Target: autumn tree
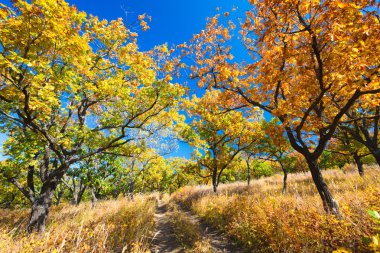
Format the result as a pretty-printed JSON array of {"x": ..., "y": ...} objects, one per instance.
[
  {"x": 218, "y": 135},
  {"x": 307, "y": 55},
  {"x": 77, "y": 86}
]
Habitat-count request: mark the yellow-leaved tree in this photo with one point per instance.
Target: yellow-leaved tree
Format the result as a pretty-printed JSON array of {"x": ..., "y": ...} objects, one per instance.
[
  {"x": 219, "y": 135},
  {"x": 76, "y": 86}
]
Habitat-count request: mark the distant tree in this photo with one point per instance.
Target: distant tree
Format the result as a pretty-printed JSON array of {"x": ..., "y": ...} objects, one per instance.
[
  {"x": 342, "y": 145},
  {"x": 218, "y": 136},
  {"x": 274, "y": 146}
]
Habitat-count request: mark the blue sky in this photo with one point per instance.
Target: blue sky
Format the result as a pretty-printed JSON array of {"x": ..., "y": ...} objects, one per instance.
[{"x": 173, "y": 22}]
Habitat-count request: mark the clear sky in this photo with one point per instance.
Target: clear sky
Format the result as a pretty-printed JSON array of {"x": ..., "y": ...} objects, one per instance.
[{"x": 173, "y": 22}]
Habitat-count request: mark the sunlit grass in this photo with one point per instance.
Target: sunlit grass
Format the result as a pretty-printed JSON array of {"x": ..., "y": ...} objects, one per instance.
[
  {"x": 112, "y": 226},
  {"x": 264, "y": 220}
]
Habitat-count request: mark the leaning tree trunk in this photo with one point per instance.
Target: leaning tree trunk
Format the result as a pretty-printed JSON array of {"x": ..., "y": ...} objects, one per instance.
[
  {"x": 40, "y": 208},
  {"x": 376, "y": 153},
  {"x": 359, "y": 164},
  {"x": 329, "y": 203}
]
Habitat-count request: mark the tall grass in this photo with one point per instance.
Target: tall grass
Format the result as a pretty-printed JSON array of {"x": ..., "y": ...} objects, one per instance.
[
  {"x": 112, "y": 226},
  {"x": 187, "y": 231},
  {"x": 262, "y": 219}
]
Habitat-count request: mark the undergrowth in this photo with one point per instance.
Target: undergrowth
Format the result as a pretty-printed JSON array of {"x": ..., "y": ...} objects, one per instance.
[
  {"x": 262, "y": 219},
  {"x": 112, "y": 226}
]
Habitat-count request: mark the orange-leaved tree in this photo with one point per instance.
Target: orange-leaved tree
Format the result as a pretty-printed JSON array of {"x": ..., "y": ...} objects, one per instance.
[{"x": 307, "y": 58}]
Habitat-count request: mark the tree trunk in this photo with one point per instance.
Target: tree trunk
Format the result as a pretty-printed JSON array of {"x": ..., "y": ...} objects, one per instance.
[
  {"x": 359, "y": 164},
  {"x": 284, "y": 188},
  {"x": 131, "y": 188},
  {"x": 80, "y": 195},
  {"x": 329, "y": 204},
  {"x": 77, "y": 196},
  {"x": 248, "y": 173},
  {"x": 59, "y": 196},
  {"x": 94, "y": 199},
  {"x": 40, "y": 209},
  {"x": 376, "y": 154},
  {"x": 215, "y": 181},
  {"x": 214, "y": 187}
]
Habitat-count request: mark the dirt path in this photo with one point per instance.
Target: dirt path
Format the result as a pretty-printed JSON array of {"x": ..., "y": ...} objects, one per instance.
[
  {"x": 166, "y": 241},
  {"x": 219, "y": 242}
]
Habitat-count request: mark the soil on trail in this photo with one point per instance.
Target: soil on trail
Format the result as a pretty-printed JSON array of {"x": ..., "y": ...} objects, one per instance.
[
  {"x": 166, "y": 241},
  {"x": 219, "y": 242}
]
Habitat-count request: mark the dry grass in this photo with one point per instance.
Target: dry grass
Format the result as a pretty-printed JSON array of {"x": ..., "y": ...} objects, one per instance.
[
  {"x": 264, "y": 220},
  {"x": 187, "y": 231},
  {"x": 112, "y": 226}
]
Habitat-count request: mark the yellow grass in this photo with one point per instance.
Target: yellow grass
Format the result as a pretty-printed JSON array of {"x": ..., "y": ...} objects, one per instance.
[
  {"x": 187, "y": 231},
  {"x": 112, "y": 226},
  {"x": 264, "y": 220}
]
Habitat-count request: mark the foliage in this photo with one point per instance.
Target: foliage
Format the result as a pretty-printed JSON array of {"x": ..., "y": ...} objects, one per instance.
[
  {"x": 374, "y": 240},
  {"x": 218, "y": 135},
  {"x": 73, "y": 87},
  {"x": 10, "y": 197},
  {"x": 262, "y": 169},
  {"x": 310, "y": 65}
]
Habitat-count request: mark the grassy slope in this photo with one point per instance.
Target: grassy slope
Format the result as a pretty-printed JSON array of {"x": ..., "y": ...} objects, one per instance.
[
  {"x": 264, "y": 220},
  {"x": 110, "y": 227}
]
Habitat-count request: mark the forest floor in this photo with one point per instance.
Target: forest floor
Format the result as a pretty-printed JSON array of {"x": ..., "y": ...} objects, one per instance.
[{"x": 167, "y": 240}]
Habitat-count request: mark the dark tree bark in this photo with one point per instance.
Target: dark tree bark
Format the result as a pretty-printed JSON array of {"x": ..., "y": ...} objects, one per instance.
[
  {"x": 376, "y": 154},
  {"x": 329, "y": 203},
  {"x": 40, "y": 207},
  {"x": 215, "y": 181},
  {"x": 359, "y": 163},
  {"x": 214, "y": 187}
]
